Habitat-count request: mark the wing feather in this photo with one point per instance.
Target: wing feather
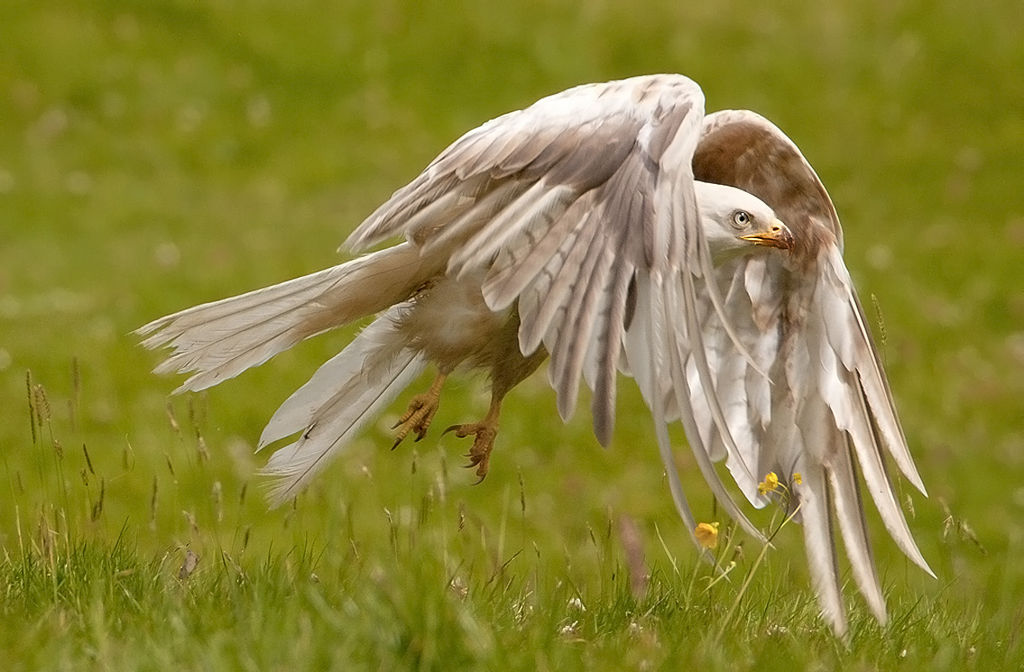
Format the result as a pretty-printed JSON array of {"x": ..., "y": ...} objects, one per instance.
[
  {"x": 678, "y": 354},
  {"x": 843, "y": 371},
  {"x": 549, "y": 293},
  {"x": 819, "y": 543},
  {"x": 647, "y": 358},
  {"x": 849, "y": 509},
  {"x": 569, "y": 340},
  {"x": 536, "y": 210},
  {"x": 521, "y": 266},
  {"x": 607, "y": 350},
  {"x": 563, "y": 204}
]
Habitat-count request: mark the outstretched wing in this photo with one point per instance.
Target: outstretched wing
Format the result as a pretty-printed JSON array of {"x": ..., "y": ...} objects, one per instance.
[
  {"x": 582, "y": 212},
  {"x": 825, "y": 409}
]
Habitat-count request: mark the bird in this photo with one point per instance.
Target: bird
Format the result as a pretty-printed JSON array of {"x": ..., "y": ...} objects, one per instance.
[{"x": 613, "y": 228}]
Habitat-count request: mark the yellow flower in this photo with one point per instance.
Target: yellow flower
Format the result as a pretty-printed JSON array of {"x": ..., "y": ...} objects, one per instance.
[
  {"x": 707, "y": 535},
  {"x": 797, "y": 478},
  {"x": 769, "y": 484}
]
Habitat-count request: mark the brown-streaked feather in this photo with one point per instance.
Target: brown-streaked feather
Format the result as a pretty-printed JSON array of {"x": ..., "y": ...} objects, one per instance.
[{"x": 743, "y": 149}]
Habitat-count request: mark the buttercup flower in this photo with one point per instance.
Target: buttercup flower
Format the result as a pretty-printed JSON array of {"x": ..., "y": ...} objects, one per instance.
[
  {"x": 707, "y": 535},
  {"x": 769, "y": 484}
]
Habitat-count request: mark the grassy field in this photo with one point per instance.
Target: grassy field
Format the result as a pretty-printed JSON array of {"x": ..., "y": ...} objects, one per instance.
[{"x": 158, "y": 154}]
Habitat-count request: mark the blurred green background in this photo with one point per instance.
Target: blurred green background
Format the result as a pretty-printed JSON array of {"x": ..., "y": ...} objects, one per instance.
[{"x": 158, "y": 154}]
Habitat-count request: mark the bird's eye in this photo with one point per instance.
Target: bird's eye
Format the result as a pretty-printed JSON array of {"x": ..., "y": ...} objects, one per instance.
[{"x": 741, "y": 218}]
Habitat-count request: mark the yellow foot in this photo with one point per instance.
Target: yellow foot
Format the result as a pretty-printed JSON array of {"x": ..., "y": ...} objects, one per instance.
[
  {"x": 420, "y": 413},
  {"x": 417, "y": 417},
  {"x": 480, "y": 453}
]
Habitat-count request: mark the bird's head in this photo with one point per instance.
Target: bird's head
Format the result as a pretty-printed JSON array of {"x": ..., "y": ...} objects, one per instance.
[{"x": 737, "y": 223}]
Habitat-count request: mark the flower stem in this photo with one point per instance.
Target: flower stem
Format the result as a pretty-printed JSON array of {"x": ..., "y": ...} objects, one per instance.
[{"x": 750, "y": 575}]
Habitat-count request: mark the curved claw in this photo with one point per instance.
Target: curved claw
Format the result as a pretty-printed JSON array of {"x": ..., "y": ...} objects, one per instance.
[
  {"x": 480, "y": 452},
  {"x": 461, "y": 431}
]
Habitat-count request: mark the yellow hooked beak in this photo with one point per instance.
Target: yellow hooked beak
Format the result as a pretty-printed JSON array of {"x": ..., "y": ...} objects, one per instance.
[{"x": 777, "y": 235}]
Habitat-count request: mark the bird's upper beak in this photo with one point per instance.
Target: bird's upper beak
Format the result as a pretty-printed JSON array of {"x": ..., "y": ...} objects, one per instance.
[{"x": 776, "y": 235}]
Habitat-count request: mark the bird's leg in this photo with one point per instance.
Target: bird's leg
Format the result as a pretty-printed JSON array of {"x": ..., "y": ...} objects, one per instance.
[
  {"x": 484, "y": 433},
  {"x": 421, "y": 412},
  {"x": 507, "y": 372}
]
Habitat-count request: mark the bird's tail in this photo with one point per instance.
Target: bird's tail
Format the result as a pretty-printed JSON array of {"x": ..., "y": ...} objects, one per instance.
[
  {"x": 216, "y": 341},
  {"x": 346, "y": 393}
]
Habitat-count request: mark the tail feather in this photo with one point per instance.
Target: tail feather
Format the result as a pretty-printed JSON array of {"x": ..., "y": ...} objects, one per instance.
[
  {"x": 364, "y": 359},
  {"x": 339, "y": 400},
  {"x": 219, "y": 340}
]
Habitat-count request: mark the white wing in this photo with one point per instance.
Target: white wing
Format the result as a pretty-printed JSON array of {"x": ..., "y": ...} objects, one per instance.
[
  {"x": 825, "y": 410},
  {"x": 581, "y": 208}
]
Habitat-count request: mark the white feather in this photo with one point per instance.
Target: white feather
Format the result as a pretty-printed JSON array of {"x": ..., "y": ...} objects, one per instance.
[
  {"x": 843, "y": 394},
  {"x": 849, "y": 510},
  {"x": 677, "y": 354},
  {"x": 339, "y": 400},
  {"x": 536, "y": 209},
  {"x": 852, "y": 341},
  {"x": 819, "y": 544},
  {"x": 362, "y": 360},
  {"x": 649, "y": 358},
  {"x": 216, "y": 341}
]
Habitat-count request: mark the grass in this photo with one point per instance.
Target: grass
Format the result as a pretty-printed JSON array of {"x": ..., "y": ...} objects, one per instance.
[{"x": 154, "y": 155}]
